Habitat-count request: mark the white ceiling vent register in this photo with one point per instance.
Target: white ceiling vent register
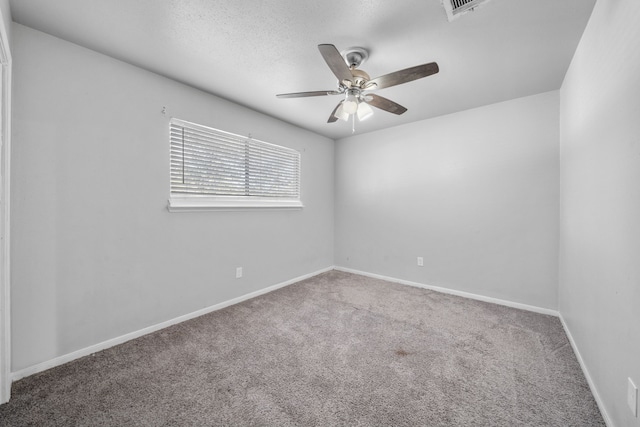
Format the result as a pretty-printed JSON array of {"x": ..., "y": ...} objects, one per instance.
[{"x": 455, "y": 8}]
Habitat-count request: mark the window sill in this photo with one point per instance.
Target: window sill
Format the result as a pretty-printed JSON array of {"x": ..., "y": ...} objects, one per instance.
[{"x": 203, "y": 204}]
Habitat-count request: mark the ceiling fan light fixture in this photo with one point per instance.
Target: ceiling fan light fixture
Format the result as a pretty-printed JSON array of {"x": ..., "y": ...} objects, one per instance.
[
  {"x": 364, "y": 111},
  {"x": 350, "y": 104}
]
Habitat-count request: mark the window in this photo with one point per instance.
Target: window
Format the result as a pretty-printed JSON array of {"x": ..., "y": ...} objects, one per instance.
[{"x": 212, "y": 169}]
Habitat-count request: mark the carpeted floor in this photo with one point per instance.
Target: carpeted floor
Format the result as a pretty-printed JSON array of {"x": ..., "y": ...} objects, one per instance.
[{"x": 336, "y": 349}]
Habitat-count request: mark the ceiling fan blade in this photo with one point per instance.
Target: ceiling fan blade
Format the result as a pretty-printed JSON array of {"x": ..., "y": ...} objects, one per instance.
[
  {"x": 335, "y": 61},
  {"x": 305, "y": 94},
  {"x": 404, "y": 76},
  {"x": 332, "y": 117},
  {"x": 384, "y": 104}
]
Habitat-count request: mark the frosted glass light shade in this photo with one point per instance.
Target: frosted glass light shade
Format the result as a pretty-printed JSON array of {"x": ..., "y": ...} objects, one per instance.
[
  {"x": 364, "y": 111},
  {"x": 350, "y": 104},
  {"x": 341, "y": 114}
]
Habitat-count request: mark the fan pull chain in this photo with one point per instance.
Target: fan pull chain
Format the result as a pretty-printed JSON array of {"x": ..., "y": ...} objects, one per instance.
[{"x": 353, "y": 123}]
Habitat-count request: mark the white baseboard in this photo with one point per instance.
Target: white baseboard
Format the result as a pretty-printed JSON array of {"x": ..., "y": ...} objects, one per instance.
[
  {"x": 585, "y": 371},
  {"x": 507, "y": 303},
  {"x": 15, "y": 376}
]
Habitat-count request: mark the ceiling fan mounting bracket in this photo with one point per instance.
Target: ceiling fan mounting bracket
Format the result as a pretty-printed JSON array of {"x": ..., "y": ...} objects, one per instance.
[{"x": 355, "y": 56}]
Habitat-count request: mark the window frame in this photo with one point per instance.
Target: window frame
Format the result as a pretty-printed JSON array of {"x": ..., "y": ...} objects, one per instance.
[{"x": 183, "y": 202}]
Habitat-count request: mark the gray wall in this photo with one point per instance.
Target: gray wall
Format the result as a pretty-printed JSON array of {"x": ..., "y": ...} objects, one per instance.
[
  {"x": 6, "y": 16},
  {"x": 95, "y": 253},
  {"x": 599, "y": 292},
  {"x": 475, "y": 193}
]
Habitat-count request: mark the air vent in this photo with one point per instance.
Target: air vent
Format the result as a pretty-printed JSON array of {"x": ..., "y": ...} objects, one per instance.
[{"x": 455, "y": 8}]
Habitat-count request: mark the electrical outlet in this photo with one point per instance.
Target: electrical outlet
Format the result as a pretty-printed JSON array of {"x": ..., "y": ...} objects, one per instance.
[
  {"x": 632, "y": 397},
  {"x": 238, "y": 272},
  {"x": 421, "y": 261}
]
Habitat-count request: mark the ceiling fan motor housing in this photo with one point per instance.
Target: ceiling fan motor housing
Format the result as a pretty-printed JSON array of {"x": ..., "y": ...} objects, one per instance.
[{"x": 360, "y": 77}]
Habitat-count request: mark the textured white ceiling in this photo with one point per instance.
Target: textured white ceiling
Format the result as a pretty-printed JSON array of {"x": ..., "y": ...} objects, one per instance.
[{"x": 248, "y": 51}]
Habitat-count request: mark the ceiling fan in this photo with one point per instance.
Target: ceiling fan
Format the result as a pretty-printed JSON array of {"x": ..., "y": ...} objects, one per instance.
[{"x": 355, "y": 84}]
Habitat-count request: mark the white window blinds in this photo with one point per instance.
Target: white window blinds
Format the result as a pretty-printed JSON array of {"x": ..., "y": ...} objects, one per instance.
[{"x": 220, "y": 168}]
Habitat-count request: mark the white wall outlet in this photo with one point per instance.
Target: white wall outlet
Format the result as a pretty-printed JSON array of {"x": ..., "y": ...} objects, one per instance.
[
  {"x": 421, "y": 261},
  {"x": 238, "y": 272},
  {"x": 632, "y": 397}
]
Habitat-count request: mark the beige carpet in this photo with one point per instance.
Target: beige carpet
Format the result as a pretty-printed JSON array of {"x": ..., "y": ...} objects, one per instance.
[{"x": 336, "y": 349}]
